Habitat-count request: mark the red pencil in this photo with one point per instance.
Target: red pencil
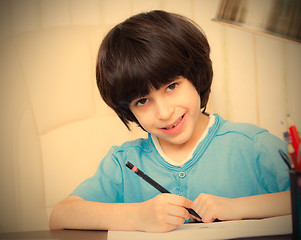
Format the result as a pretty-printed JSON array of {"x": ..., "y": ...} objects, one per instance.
[
  {"x": 293, "y": 156},
  {"x": 293, "y": 134},
  {"x": 295, "y": 137},
  {"x": 295, "y": 142}
]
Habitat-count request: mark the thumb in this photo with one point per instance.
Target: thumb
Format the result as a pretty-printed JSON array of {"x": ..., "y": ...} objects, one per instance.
[{"x": 188, "y": 203}]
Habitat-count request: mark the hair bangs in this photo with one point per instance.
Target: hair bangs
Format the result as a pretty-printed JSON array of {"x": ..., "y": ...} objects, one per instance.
[{"x": 142, "y": 68}]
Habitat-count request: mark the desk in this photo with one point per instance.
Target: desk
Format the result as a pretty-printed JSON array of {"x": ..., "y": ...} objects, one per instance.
[
  {"x": 56, "y": 234},
  {"x": 89, "y": 235}
]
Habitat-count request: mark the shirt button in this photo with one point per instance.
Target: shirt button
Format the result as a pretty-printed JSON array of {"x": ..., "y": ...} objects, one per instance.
[{"x": 181, "y": 174}]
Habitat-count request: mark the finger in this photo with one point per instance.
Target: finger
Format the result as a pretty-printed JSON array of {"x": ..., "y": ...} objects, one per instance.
[
  {"x": 180, "y": 201},
  {"x": 208, "y": 217},
  {"x": 195, "y": 214},
  {"x": 178, "y": 211},
  {"x": 202, "y": 209},
  {"x": 175, "y": 220},
  {"x": 195, "y": 219},
  {"x": 197, "y": 205},
  {"x": 208, "y": 212}
]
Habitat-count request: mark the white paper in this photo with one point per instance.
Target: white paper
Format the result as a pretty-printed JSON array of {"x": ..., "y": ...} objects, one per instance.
[{"x": 217, "y": 230}]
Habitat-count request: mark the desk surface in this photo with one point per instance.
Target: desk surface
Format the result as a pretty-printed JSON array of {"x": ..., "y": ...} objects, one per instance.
[{"x": 87, "y": 235}]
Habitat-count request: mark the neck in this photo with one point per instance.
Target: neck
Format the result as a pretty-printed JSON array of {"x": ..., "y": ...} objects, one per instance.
[{"x": 178, "y": 152}]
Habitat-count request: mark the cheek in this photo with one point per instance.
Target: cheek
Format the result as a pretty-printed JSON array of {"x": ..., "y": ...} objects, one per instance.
[
  {"x": 143, "y": 119},
  {"x": 197, "y": 100},
  {"x": 193, "y": 102}
]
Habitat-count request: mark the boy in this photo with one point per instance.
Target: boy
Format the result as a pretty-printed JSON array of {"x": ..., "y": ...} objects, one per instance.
[{"x": 154, "y": 69}]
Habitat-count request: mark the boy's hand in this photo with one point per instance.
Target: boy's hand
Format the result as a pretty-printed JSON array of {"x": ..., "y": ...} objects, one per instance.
[
  {"x": 211, "y": 207},
  {"x": 164, "y": 213}
]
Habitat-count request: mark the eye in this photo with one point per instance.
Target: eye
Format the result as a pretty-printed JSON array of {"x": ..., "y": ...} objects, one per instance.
[
  {"x": 142, "y": 102},
  {"x": 172, "y": 87}
]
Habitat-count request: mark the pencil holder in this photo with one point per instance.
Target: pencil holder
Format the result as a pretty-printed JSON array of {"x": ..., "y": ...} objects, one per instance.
[{"x": 295, "y": 181}]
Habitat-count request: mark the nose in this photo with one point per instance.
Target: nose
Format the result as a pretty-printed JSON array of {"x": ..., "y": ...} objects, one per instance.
[{"x": 164, "y": 110}]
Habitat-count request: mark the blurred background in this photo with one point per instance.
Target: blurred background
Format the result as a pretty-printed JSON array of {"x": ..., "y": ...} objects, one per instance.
[{"x": 54, "y": 126}]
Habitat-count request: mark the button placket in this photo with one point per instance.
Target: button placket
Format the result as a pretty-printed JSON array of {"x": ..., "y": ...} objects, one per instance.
[{"x": 182, "y": 182}]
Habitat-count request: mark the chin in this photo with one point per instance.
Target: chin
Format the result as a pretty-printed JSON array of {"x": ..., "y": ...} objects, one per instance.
[{"x": 178, "y": 141}]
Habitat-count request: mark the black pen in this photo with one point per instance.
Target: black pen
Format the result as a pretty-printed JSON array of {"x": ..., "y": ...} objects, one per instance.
[
  {"x": 155, "y": 185},
  {"x": 285, "y": 158}
]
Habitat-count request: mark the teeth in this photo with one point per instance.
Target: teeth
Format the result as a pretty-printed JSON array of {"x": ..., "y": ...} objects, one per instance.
[{"x": 175, "y": 124}]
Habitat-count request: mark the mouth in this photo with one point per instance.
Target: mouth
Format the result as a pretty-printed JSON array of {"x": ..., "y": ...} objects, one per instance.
[
  {"x": 174, "y": 124},
  {"x": 175, "y": 127}
]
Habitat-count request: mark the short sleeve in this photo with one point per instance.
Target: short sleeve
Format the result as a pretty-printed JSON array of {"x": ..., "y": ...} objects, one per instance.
[
  {"x": 271, "y": 169},
  {"x": 106, "y": 184}
]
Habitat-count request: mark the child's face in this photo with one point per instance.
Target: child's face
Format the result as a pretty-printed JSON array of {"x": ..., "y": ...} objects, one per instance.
[{"x": 171, "y": 112}]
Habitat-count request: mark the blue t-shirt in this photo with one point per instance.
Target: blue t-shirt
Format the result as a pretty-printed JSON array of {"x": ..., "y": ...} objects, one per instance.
[{"x": 233, "y": 160}]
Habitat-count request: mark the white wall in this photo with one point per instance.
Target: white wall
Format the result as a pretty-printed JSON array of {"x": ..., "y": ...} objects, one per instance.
[{"x": 55, "y": 128}]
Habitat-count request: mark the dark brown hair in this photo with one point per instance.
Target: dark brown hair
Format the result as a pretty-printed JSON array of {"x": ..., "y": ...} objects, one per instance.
[{"x": 147, "y": 51}]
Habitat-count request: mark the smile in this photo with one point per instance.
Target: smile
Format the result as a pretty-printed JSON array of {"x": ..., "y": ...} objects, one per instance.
[
  {"x": 174, "y": 124},
  {"x": 175, "y": 127}
]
